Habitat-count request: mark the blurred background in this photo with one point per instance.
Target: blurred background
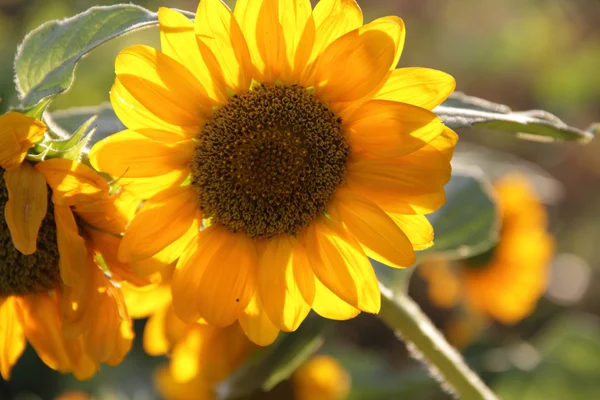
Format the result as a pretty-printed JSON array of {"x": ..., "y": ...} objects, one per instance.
[{"x": 528, "y": 54}]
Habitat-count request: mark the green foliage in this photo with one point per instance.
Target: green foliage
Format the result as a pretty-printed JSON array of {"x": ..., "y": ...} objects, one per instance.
[
  {"x": 461, "y": 111},
  {"x": 46, "y": 60},
  {"x": 468, "y": 224}
]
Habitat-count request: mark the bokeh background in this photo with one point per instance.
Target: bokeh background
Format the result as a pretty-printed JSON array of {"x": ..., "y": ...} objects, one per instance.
[{"x": 528, "y": 54}]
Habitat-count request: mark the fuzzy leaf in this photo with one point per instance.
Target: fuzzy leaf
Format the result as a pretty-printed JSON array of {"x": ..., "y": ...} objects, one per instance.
[
  {"x": 461, "y": 111},
  {"x": 46, "y": 60}
]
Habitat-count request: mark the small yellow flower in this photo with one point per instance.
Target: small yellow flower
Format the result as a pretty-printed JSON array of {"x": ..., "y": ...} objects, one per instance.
[
  {"x": 288, "y": 134},
  {"x": 53, "y": 293},
  {"x": 321, "y": 378},
  {"x": 506, "y": 283}
]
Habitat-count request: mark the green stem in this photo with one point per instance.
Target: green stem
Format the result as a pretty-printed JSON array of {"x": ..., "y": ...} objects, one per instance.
[{"x": 427, "y": 344}]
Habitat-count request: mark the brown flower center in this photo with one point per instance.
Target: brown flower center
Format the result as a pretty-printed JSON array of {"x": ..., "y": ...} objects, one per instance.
[
  {"x": 21, "y": 274},
  {"x": 269, "y": 161}
]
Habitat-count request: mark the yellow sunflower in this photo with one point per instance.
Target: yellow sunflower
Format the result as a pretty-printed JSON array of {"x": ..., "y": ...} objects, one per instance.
[
  {"x": 505, "y": 283},
  {"x": 53, "y": 292},
  {"x": 287, "y": 133}
]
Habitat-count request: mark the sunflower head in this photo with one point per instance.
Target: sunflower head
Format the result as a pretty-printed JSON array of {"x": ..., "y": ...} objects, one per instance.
[
  {"x": 288, "y": 134},
  {"x": 53, "y": 291},
  {"x": 505, "y": 282}
]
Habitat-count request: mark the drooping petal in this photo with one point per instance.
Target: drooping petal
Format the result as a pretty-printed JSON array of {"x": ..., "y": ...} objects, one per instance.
[
  {"x": 26, "y": 207},
  {"x": 12, "y": 339},
  {"x": 72, "y": 182},
  {"x": 339, "y": 263},
  {"x": 353, "y": 65},
  {"x": 163, "y": 86},
  {"x": 256, "y": 323},
  {"x": 128, "y": 154},
  {"x": 284, "y": 279},
  {"x": 71, "y": 246},
  {"x": 259, "y": 20},
  {"x": 18, "y": 133},
  {"x": 178, "y": 41},
  {"x": 39, "y": 316},
  {"x": 417, "y": 228},
  {"x": 445, "y": 143},
  {"x": 381, "y": 238},
  {"x": 223, "y": 45},
  {"x": 159, "y": 222},
  {"x": 421, "y": 87},
  {"x": 328, "y": 305},
  {"x": 391, "y": 129},
  {"x": 215, "y": 277}
]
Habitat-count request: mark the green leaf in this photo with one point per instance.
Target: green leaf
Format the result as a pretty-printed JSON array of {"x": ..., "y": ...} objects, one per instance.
[
  {"x": 276, "y": 362},
  {"x": 46, "y": 60},
  {"x": 69, "y": 148},
  {"x": 461, "y": 111},
  {"x": 468, "y": 223},
  {"x": 69, "y": 120},
  {"x": 37, "y": 111}
]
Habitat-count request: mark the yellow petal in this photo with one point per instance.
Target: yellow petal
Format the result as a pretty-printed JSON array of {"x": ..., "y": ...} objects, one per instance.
[
  {"x": 168, "y": 255},
  {"x": 339, "y": 263},
  {"x": 284, "y": 280},
  {"x": 222, "y": 44},
  {"x": 215, "y": 277},
  {"x": 353, "y": 65},
  {"x": 293, "y": 16},
  {"x": 334, "y": 18},
  {"x": 163, "y": 86},
  {"x": 134, "y": 115},
  {"x": 18, "y": 133},
  {"x": 128, "y": 154},
  {"x": 257, "y": 325},
  {"x": 260, "y": 23},
  {"x": 445, "y": 143},
  {"x": 26, "y": 207},
  {"x": 418, "y": 172},
  {"x": 155, "y": 339},
  {"x": 109, "y": 338},
  {"x": 12, "y": 339},
  {"x": 417, "y": 228},
  {"x": 421, "y": 87},
  {"x": 39, "y": 316},
  {"x": 161, "y": 220},
  {"x": 145, "y": 188},
  {"x": 72, "y": 182},
  {"x": 328, "y": 305},
  {"x": 178, "y": 41},
  {"x": 145, "y": 301},
  {"x": 382, "y": 239},
  {"x": 409, "y": 203},
  {"x": 71, "y": 246},
  {"x": 390, "y": 129}
]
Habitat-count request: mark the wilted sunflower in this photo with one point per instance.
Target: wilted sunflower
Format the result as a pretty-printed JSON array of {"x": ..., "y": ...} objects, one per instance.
[
  {"x": 53, "y": 292},
  {"x": 289, "y": 133},
  {"x": 505, "y": 283}
]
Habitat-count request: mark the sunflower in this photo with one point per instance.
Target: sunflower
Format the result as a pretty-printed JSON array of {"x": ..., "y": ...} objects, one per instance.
[
  {"x": 321, "y": 378},
  {"x": 287, "y": 134},
  {"x": 505, "y": 283},
  {"x": 53, "y": 291}
]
